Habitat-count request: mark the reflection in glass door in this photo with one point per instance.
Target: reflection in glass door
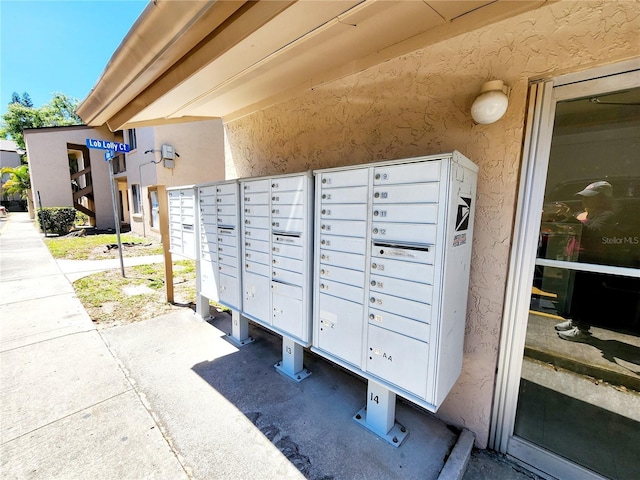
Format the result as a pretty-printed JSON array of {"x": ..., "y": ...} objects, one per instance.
[{"x": 579, "y": 395}]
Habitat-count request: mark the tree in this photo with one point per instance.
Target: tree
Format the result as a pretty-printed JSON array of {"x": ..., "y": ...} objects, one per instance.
[
  {"x": 21, "y": 114},
  {"x": 19, "y": 183}
]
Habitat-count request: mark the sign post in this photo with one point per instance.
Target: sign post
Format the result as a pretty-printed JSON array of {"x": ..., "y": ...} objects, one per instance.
[
  {"x": 108, "y": 156},
  {"x": 111, "y": 148}
]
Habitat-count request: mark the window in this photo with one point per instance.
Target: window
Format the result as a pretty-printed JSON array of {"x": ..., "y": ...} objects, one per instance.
[
  {"x": 155, "y": 209},
  {"x": 133, "y": 142},
  {"x": 136, "y": 196}
]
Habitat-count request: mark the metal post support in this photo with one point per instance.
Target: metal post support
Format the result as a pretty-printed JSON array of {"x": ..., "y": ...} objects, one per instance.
[
  {"x": 116, "y": 217},
  {"x": 291, "y": 364},
  {"x": 380, "y": 413},
  {"x": 239, "y": 330}
]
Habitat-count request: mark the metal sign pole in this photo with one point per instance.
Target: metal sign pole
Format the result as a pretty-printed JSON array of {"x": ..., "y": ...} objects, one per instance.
[{"x": 116, "y": 217}]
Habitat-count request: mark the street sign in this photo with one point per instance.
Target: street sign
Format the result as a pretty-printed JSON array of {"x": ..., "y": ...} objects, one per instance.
[
  {"x": 108, "y": 145},
  {"x": 109, "y": 154}
]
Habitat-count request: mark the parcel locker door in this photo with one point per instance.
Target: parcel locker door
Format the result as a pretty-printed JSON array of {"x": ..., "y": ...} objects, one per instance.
[
  {"x": 399, "y": 360},
  {"x": 229, "y": 291},
  {"x": 287, "y": 309},
  {"x": 256, "y": 295},
  {"x": 208, "y": 284},
  {"x": 340, "y": 328}
]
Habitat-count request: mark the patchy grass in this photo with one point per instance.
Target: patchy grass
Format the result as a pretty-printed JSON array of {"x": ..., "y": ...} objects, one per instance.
[
  {"x": 94, "y": 247},
  {"x": 111, "y": 300}
]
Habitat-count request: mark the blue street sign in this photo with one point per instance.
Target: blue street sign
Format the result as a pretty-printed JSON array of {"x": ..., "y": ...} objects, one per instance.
[
  {"x": 109, "y": 154},
  {"x": 108, "y": 145}
]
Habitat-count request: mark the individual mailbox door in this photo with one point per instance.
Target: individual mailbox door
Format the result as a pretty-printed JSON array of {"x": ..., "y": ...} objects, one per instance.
[
  {"x": 419, "y": 172},
  {"x": 345, "y": 195},
  {"x": 406, "y": 213},
  {"x": 395, "y": 323},
  {"x": 349, "y": 178},
  {"x": 407, "y": 289},
  {"x": 401, "y": 306},
  {"x": 417, "y": 272},
  {"x": 412, "y": 193},
  {"x": 404, "y": 233}
]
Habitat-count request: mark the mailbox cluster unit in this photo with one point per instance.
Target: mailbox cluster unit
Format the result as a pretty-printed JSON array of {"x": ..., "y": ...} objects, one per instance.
[
  {"x": 373, "y": 274},
  {"x": 219, "y": 251},
  {"x": 277, "y": 232},
  {"x": 182, "y": 221},
  {"x": 393, "y": 247}
]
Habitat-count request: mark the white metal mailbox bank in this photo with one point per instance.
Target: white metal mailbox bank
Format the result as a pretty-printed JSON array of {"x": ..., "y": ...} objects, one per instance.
[
  {"x": 277, "y": 241},
  {"x": 392, "y": 254},
  {"x": 219, "y": 252},
  {"x": 182, "y": 221}
]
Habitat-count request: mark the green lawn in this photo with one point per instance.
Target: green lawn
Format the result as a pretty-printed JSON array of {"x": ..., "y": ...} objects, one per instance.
[{"x": 94, "y": 247}]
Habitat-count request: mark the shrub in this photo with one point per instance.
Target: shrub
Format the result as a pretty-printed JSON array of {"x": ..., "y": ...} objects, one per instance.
[
  {"x": 58, "y": 220},
  {"x": 81, "y": 218}
]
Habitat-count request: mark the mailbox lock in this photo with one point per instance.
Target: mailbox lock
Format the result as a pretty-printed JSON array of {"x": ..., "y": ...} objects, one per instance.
[
  {"x": 323, "y": 242},
  {"x": 322, "y": 227},
  {"x": 377, "y": 176},
  {"x": 372, "y": 300},
  {"x": 376, "y": 213},
  {"x": 324, "y": 196},
  {"x": 376, "y": 195},
  {"x": 374, "y": 265},
  {"x": 373, "y": 283},
  {"x": 375, "y": 230},
  {"x": 372, "y": 316},
  {"x": 274, "y": 185},
  {"x": 324, "y": 180},
  {"x": 322, "y": 272},
  {"x": 324, "y": 212}
]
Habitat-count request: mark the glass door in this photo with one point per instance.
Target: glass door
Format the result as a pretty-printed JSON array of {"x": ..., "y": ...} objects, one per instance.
[{"x": 576, "y": 397}]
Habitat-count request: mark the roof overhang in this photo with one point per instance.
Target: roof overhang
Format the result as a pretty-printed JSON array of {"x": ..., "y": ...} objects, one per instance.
[{"x": 188, "y": 60}]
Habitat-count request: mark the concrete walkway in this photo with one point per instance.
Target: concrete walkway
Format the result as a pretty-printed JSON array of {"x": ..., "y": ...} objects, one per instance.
[
  {"x": 170, "y": 398},
  {"x": 75, "y": 269}
]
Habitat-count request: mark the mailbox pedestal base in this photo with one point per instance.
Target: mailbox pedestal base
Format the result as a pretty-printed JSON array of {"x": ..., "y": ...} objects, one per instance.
[
  {"x": 239, "y": 330},
  {"x": 380, "y": 413},
  {"x": 291, "y": 363}
]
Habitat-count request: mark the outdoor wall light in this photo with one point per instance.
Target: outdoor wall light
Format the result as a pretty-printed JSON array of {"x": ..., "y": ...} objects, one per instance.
[{"x": 491, "y": 103}]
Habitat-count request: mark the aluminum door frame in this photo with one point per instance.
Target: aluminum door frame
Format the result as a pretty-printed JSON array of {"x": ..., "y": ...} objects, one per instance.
[{"x": 541, "y": 109}]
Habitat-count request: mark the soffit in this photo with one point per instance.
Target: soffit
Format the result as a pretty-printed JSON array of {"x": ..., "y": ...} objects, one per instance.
[{"x": 233, "y": 58}]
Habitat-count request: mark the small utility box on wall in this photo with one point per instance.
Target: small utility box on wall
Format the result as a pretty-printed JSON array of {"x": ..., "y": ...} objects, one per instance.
[{"x": 168, "y": 155}]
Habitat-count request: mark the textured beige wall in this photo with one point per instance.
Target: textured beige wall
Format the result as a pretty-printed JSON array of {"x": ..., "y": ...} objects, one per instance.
[
  {"x": 419, "y": 104},
  {"x": 201, "y": 149}
]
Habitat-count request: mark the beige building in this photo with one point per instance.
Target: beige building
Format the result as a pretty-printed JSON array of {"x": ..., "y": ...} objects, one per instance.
[
  {"x": 9, "y": 157},
  {"x": 67, "y": 173},
  {"x": 309, "y": 85}
]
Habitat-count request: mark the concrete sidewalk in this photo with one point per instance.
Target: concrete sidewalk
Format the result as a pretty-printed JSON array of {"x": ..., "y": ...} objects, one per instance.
[{"x": 170, "y": 398}]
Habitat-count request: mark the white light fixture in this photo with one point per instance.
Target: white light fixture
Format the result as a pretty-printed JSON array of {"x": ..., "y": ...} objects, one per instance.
[{"x": 492, "y": 102}]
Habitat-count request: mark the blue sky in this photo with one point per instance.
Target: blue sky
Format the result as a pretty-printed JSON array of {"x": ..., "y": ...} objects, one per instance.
[{"x": 52, "y": 46}]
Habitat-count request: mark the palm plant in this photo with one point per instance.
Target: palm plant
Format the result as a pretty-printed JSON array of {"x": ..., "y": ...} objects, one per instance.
[{"x": 19, "y": 183}]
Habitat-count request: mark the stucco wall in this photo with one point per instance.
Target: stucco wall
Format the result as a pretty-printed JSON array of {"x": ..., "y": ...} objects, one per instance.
[
  {"x": 49, "y": 168},
  {"x": 201, "y": 149},
  {"x": 419, "y": 104}
]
